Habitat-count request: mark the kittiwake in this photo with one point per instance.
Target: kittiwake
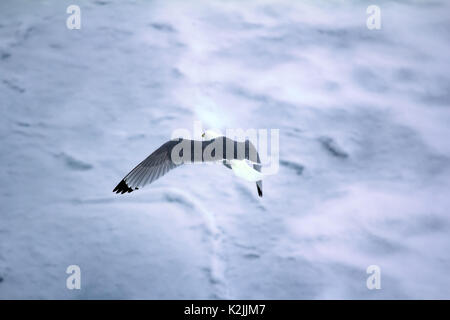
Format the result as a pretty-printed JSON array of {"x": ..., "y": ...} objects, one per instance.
[{"x": 233, "y": 154}]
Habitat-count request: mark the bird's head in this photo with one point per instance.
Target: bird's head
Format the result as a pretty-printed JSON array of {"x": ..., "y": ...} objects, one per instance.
[{"x": 209, "y": 135}]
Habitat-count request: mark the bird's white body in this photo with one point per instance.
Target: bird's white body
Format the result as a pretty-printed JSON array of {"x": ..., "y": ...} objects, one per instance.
[
  {"x": 242, "y": 170},
  {"x": 240, "y": 167}
]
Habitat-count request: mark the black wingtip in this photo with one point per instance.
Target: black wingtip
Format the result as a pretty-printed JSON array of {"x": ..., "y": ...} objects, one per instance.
[
  {"x": 259, "y": 191},
  {"x": 122, "y": 188}
]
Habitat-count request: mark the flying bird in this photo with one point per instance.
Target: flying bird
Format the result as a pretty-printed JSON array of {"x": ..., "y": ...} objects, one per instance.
[{"x": 214, "y": 148}]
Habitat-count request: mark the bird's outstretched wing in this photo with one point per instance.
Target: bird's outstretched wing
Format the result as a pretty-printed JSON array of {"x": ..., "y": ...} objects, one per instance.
[{"x": 154, "y": 166}]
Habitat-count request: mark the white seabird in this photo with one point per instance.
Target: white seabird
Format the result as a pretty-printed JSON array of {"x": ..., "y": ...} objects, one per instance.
[{"x": 233, "y": 154}]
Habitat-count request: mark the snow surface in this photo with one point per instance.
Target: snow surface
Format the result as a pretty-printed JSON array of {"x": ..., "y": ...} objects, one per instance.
[{"x": 364, "y": 149}]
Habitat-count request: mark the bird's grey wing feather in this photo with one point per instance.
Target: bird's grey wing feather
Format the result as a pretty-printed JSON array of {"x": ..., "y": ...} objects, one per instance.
[
  {"x": 226, "y": 164},
  {"x": 153, "y": 167}
]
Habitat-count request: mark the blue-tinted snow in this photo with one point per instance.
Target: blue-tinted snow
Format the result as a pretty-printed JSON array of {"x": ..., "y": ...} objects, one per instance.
[{"x": 364, "y": 149}]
